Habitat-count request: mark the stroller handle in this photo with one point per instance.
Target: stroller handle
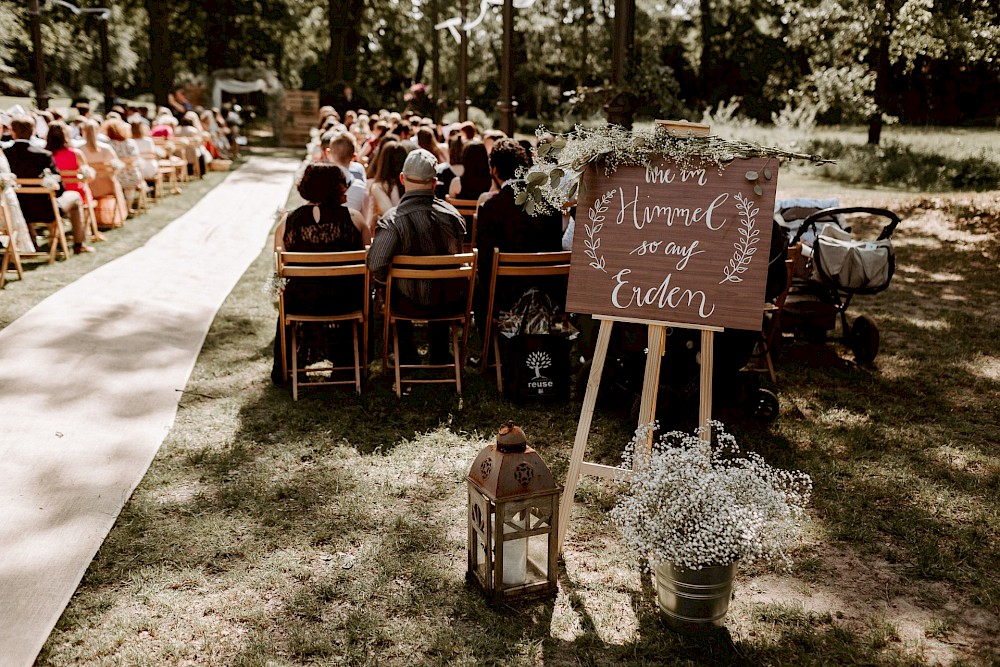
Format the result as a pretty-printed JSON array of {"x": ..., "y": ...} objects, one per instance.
[{"x": 810, "y": 221}]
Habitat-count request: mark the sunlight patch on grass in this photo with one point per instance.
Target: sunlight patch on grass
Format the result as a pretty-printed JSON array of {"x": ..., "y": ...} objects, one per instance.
[
  {"x": 986, "y": 367},
  {"x": 843, "y": 418}
]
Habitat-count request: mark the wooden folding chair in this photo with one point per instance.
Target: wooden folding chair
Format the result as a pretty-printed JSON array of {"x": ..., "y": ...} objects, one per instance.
[
  {"x": 56, "y": 234},
  {"x": 469, "y": 208},
  {"x": 770, "y": 332},
  {"x": 175, "y": 160},
  {"x": 459, "y": 267},
  {"x": 10, "y": 253},
  {"x": 157, "y": 180},
  {"x": 105, "y": 170},
  {"x": 73, "y": 178},
  {"x": 507, "y": 265},
  {"x": 332, "y": 266}
]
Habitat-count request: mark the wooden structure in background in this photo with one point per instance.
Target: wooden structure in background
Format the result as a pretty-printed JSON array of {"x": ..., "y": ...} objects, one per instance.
[{"x": 299, "y": 114}]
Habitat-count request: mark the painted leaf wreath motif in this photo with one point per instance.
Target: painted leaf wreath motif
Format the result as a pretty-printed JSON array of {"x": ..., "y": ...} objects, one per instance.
[
  {"x": 592, "y": 243},
  {"x": 744, "y": 249}
]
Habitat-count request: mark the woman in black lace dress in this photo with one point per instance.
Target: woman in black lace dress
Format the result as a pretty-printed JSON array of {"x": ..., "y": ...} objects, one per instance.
[{"x": 323, "y": 224}]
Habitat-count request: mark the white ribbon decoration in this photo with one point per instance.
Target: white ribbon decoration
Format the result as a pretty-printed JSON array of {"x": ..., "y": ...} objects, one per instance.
[{"x": 453, "y": 24}]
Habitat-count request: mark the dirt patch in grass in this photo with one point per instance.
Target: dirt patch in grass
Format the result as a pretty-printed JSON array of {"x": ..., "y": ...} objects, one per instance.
[{"x": 932, "y": 620}]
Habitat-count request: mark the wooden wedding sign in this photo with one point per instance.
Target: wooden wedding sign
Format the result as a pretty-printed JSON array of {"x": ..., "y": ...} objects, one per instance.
[{"x": 668, "y": 246}]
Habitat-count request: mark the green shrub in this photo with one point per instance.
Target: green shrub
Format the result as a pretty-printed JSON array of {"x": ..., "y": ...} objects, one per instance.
[{"x": 899, "y": 166}]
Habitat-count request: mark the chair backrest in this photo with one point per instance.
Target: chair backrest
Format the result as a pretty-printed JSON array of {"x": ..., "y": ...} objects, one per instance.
[
  {"x": 525, "y": 264},
  {"x": 72, "y": 178},
  {"x": 321, "y": 264},
  {"x": 279, "y": 233},
  {"x": 331, "y": 265},
  {"x": 464, "y": 206},
  {"x": 104, "y": 169},
  {"x": 34, "y": 186},
  {"x": 469, "y": 208},
  {"x": 460, "y": 266},
  {"x": 434, "y": 267}
]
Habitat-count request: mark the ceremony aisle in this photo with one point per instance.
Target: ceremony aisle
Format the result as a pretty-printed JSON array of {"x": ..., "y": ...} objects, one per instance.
[{"x": 91, "y": 379}]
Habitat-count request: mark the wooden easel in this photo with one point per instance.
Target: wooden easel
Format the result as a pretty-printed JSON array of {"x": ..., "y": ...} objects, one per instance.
[{"x": 647, "y": 406}]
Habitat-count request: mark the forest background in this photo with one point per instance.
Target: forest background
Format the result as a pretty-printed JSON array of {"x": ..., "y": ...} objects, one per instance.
[{"x": 792, "y": 62}]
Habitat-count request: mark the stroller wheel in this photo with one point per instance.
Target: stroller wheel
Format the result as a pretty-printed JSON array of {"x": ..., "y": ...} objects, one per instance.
[
  {"x": 766, "y": 407},
  {"x": 864, "y": 340}
]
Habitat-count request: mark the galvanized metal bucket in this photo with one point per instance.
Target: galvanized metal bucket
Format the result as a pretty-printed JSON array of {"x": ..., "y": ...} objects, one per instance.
[{"x": 693, "y": 600}]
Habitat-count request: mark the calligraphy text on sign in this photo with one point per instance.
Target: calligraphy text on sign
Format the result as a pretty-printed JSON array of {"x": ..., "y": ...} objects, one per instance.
[{"x": 671, "y": 244}]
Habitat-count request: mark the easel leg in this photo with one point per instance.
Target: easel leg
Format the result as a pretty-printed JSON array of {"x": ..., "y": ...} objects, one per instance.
[
  {"x": 707, "y": 364},
  {"x": 583, "y": 429},
  {"x": 655, "y": 342}
]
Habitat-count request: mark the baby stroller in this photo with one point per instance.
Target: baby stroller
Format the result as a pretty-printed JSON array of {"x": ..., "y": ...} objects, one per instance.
[
  {"x": 736, "y": 391},
  {"x": 834, "y": 267}
]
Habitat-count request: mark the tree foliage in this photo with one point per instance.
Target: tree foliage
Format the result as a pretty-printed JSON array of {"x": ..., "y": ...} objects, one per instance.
[{"x": 845, "y": 60}]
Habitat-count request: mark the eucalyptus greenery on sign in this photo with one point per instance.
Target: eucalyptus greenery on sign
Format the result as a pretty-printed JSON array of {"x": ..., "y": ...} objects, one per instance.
[{"x": 560, "y": 160}]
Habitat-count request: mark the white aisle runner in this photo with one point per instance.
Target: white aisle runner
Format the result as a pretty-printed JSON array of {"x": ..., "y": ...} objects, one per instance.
[{"x": 89, "y": 384}]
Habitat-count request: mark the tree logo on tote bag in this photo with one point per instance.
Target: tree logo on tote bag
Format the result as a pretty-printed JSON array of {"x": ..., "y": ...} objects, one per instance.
[{"x": 536, "y": 361}]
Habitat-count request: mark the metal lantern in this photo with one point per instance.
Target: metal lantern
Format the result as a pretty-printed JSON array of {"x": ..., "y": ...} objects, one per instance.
[{"x": 513, "y": 516}]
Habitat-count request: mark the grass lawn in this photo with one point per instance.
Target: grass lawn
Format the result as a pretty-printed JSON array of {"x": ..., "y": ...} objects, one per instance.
[{"x": 332, "y": 530}]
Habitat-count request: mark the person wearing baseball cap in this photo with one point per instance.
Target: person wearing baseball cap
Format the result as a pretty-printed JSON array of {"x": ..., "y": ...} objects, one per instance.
[{"x": 421, "y": 224}]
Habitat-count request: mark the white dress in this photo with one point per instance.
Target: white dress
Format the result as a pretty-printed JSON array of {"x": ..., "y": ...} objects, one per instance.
[{"x": 12, "y": 210}]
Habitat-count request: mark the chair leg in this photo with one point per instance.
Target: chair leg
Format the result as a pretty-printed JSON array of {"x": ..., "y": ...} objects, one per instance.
[
  {"x": 496, "y": 360},
  {"x": 357, "y": 359},
  {"x": 57, "y": 240},
  {"x": 395, "y": 365},
  {"x": 282, "y": 334},
  {"x": 385, "y": 345},
  {"x": 295, "y": 364},
  {"x": 457, "y": 357},
  {"x": 770, "y": 365}
]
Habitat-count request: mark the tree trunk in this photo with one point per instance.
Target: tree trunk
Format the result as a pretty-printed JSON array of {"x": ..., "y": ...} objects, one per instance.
[
  {"x": 161, "y": 62},
  {"x": 218, "y": 18},
  {"x": 709, "y": 53},
  {"x": 881, "y": 93},
  {"x": 345, "y": 23}
]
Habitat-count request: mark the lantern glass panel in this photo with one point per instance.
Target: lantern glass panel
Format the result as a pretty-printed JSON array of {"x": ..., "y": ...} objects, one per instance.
[{"x": 526, "y": 556}]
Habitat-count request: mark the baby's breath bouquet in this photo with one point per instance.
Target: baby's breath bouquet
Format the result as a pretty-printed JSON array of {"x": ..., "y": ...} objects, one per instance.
[{"x": 698, "y": 504}]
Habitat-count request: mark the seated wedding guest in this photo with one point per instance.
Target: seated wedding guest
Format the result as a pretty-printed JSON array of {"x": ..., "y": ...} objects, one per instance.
[
  {"x": 379, "y": 129},
  {"x": 427, "y": 141},
  {"x": 322, "y": 224},
  {"x": 505, "y": 225},
  {"x": 340, "y": 152},
  {"x": 341, "y": 149},
  {"x": 189, "y": 127},
  {"x": 452, "y": 168},
  {"x": 384, "y": 188},
  {"x": 69, "y": 159},
  {"x": 97, "y": 152},
  {"x": 163, "y": 126},
  {"x": 28, "y": 161},
  {"x": 149, "y": 153},
  {"x": 420, "y": 225},
  {"x": 120, "y": 136},
  {"x": 475, "y": 178},
  {"x": 490, "y": 137},
  {"x": 22, "y": 235}
]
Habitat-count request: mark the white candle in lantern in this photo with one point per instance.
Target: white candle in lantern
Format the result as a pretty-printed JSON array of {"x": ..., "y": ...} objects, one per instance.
[{"x": 515, "y": 562}]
